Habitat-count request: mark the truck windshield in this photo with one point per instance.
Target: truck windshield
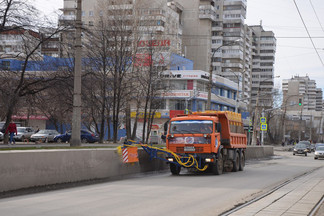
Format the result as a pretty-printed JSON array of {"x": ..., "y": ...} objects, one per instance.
[{"x": 191, "y": 127}]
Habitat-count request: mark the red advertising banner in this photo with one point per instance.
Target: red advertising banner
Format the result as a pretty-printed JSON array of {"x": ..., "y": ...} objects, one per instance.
[
  {"x": 190, "y": 85},
  {"x": 151, "y": 43},
  {"x": 174, "y": 113}
]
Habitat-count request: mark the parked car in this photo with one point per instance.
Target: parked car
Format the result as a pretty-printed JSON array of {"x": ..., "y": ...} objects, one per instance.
[
  {"x": 24, "y": 133},
  {"x": 86, "y": 137},
  {"x": 1, "y": 136},
  {"x": 319, "y": 152},
  {"x": 308, "y": 145},
  {"x": 300, "y": 148},
  {"x": 44, "y": 135}
]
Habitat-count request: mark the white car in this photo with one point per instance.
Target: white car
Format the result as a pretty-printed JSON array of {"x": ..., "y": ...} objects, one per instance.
[
  {"x": 24, "y": 133},
  {"x": 319, "y": 152},
  {"x": 44, "y": 136}
]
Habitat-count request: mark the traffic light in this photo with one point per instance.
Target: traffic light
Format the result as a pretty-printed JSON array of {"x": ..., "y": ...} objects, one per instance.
[{"x": 300, "y": 102}]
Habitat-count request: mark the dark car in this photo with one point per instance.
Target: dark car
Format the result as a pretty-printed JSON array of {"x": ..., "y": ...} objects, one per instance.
[
  {"x": 308, "y": 145},
  {"x": 86, "y": 137},
  {"x": 300, "y": 149}
]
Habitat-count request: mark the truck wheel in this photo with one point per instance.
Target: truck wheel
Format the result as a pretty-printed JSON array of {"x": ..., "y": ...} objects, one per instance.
[
  {"x": 218, "y": 165},
  {"x": 242, "y": 161},
  {"x": 175, "y": 170},
  {"x": 236, "y": 163}
]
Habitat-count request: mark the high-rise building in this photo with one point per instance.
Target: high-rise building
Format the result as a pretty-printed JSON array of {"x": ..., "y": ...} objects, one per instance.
[
  {"x": 263, "y": 59},
  {"x": 299, "y": 93},
  {"x": 319, "y": 99},
  {"x": 154, "y": 23}
]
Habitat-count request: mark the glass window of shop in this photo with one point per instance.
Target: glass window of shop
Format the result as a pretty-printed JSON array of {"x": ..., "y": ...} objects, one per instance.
[
  {"x": 201, "y": 86},
  {"x": 159, "y": 104},
  {"x": 178, "y": 84},
  {"x": 177, "y": 104},
  {"x": 201, "y": 106}
]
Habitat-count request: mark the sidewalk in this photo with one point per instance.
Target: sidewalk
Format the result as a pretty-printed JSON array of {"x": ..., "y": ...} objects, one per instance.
[{"x": 296, "y": 198}]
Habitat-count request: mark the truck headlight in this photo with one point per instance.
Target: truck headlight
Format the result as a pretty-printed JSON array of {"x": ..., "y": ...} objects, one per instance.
[{"x": 208, "y": 160}]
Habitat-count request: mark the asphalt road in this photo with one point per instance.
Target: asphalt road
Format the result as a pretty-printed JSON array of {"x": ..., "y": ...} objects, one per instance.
[{"x": 164, "y": 194}]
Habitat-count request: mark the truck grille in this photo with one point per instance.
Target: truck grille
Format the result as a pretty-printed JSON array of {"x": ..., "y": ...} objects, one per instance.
[{"x": 197, "y": 149}]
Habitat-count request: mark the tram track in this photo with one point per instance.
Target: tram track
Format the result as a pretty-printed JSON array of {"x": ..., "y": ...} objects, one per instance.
[{"x": 276, "y": 188}]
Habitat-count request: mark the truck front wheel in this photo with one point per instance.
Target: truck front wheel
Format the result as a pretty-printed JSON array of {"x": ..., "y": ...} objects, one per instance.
[
  {"x": 218, "y": 165},
  {"x": 175, "y": 170}
]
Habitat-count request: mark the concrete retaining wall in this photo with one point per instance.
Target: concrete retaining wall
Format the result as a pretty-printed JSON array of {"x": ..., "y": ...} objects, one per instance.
[
  {"x": 258, "y": 152},
  {"x": 25, "y": 169}
]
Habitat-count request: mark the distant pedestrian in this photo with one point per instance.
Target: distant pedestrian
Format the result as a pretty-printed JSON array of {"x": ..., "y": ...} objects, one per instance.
[
  {"x": 12, "y": 129},
  {"x": 37, "y": 129},
  {"x": 258, "y": 141}
]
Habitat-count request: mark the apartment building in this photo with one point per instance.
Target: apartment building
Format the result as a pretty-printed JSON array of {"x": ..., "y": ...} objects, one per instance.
[
  {"x": 17, "y": 43},
  {"x": 154, "y": 24},
  {"x": 300, "y": 93},
  {"x": 263, "y": 59},
  {"x": 303, "y": 103},
  {"x": 319, "y": 99}
]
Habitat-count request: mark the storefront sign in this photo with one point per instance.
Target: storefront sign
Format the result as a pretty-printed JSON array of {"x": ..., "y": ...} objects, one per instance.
[
  {"x": 176, "y": 94},
  {"x": 152, "y": 43},
  {"x": 141, "y": 115}
]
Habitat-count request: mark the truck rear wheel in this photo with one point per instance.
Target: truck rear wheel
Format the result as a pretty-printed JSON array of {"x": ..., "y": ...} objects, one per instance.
[
  {"x": 218, "y": 165},
  {"x": 236, "y": 163},
  {"x": 175, "y": 170},
  {"x": 242, "y": 161}
]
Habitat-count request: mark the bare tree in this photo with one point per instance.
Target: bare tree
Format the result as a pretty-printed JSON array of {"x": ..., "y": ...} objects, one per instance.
[
  {"x": 16, "y": 14},
  {"x": 21, "y": 82}
]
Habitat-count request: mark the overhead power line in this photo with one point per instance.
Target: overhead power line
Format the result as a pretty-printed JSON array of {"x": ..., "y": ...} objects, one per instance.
[
  {"x": 308, "y": 33},
  {"x": 316, "y": 15}
]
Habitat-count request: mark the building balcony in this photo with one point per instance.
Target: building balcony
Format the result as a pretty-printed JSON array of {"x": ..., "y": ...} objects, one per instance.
[
  {"x": 67, "y": 18},
  {"x": 233, "y": 65},
  {"x": 218, "y": 28},
  {"x": 207, "y": 12}
]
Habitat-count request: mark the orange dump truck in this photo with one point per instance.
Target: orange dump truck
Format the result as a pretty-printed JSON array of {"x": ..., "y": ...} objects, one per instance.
[{"x": 212, "y": 140}]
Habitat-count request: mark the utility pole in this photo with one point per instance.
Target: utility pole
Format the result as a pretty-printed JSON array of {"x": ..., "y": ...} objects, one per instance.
[{"x": 76, "y": 117}]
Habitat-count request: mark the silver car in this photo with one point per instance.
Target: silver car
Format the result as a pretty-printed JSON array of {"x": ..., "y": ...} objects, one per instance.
[
  {"x": 24, "y": 133},
  {"x": 44, "y": 136},
  {"x": 319, "y": 152}
]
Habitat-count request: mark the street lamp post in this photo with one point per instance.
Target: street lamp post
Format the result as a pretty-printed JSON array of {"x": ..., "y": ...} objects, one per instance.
[
  {"x": 255, "y": 119},
  {"x": 210, "y": 85}
]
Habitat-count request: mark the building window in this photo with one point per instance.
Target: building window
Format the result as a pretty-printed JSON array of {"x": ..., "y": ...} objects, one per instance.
[
  {"x": 178, "y": 84},
  {"x": 5, "y": 65},
  {"x": 90, "y": 13},
  {"x": 200, "y": 86},
  {"x": 177, "y": 104}
]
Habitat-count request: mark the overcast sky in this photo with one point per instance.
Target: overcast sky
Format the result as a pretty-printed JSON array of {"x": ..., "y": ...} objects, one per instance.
[{"x": 295, "y": 56}]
